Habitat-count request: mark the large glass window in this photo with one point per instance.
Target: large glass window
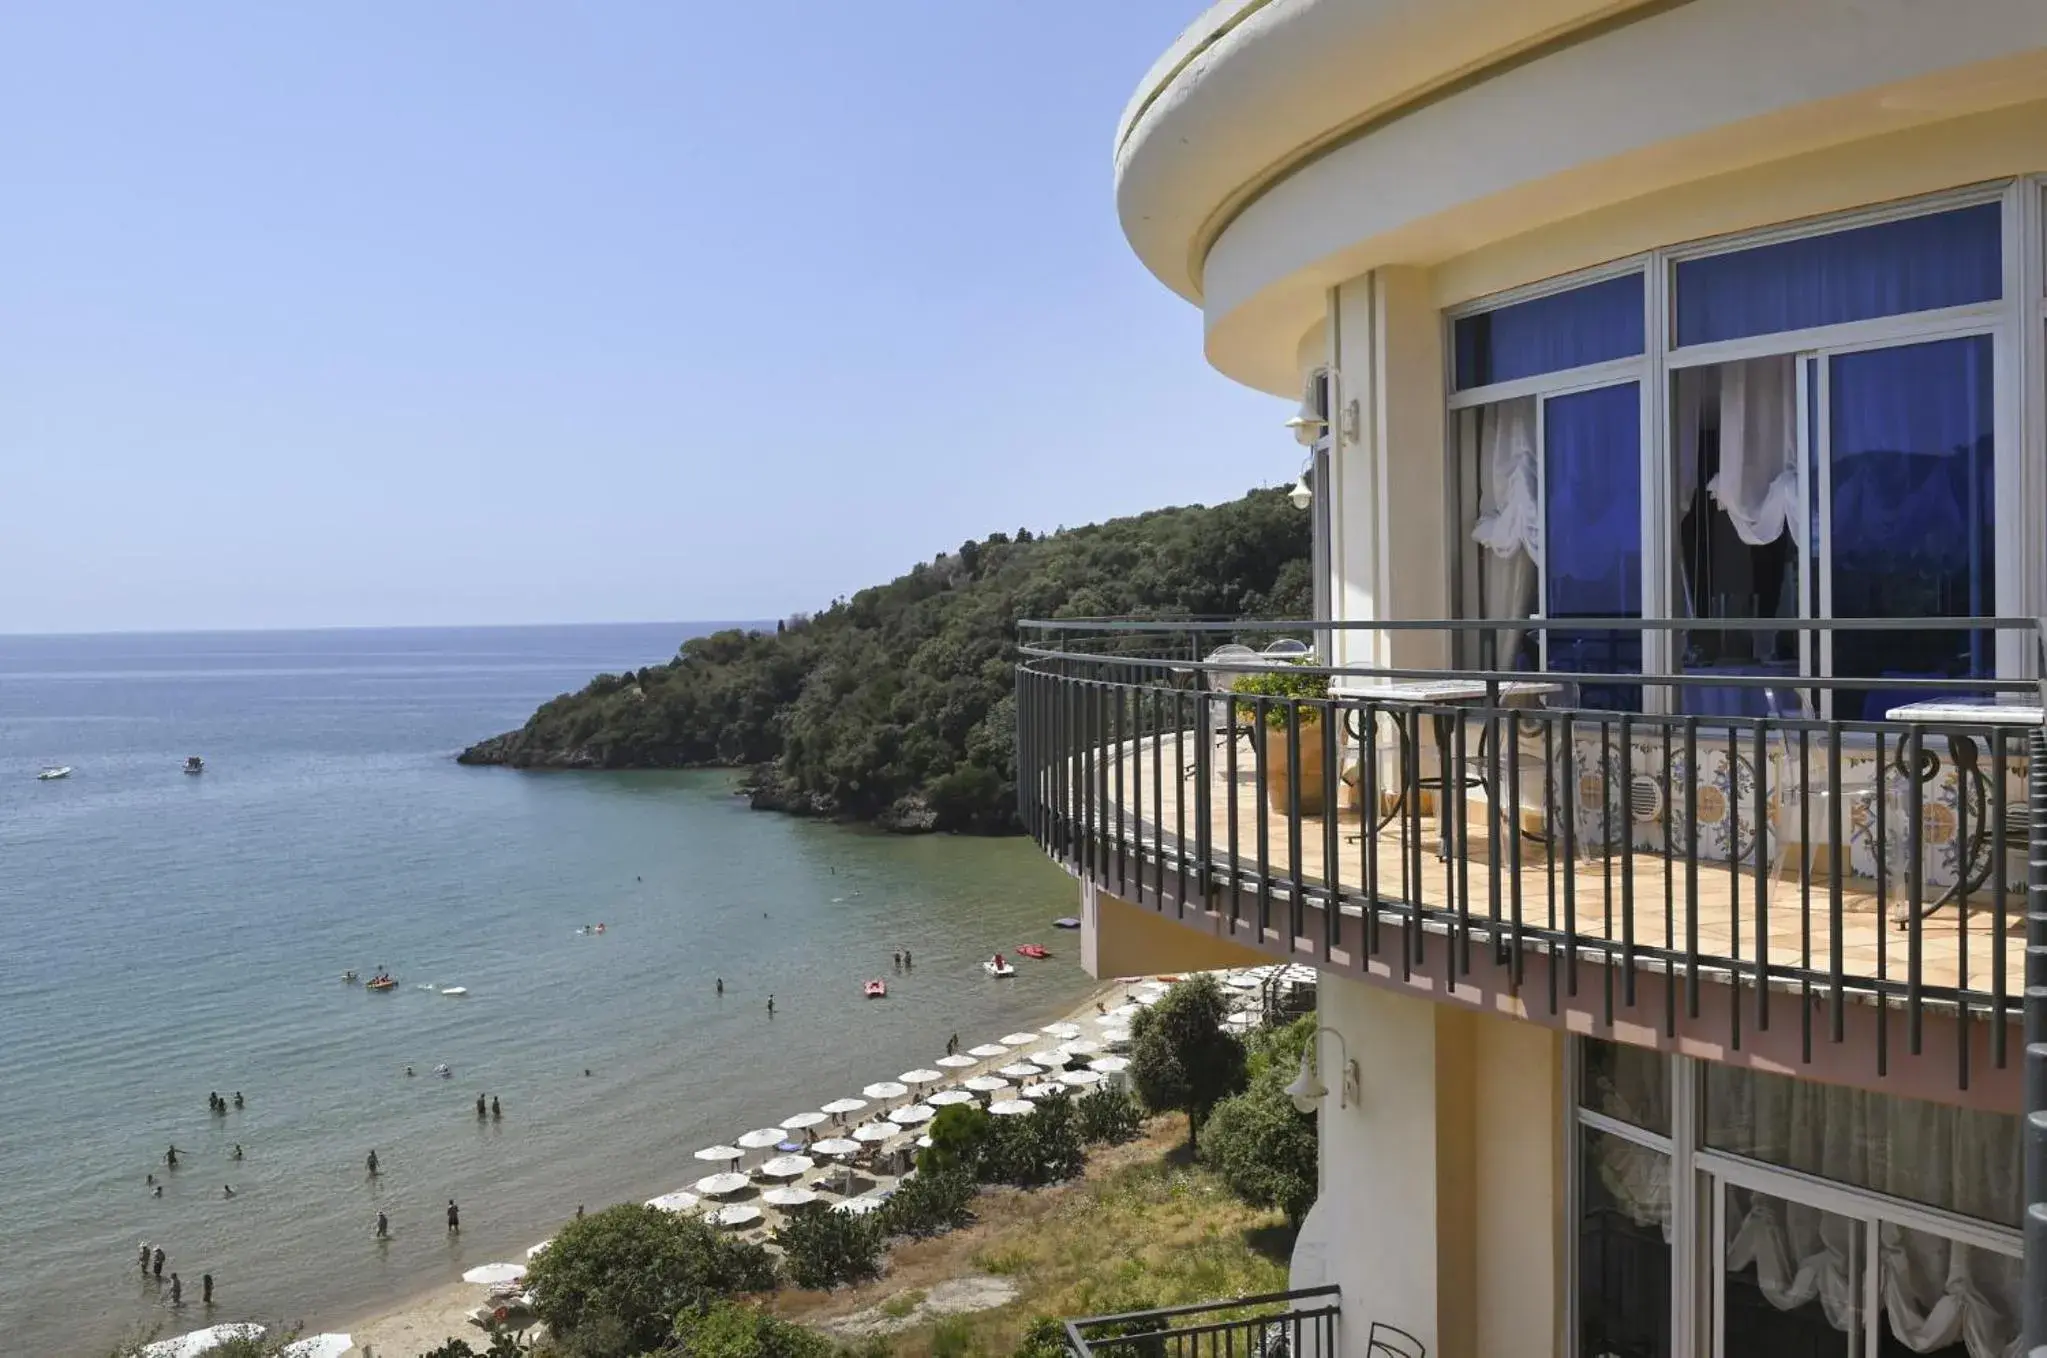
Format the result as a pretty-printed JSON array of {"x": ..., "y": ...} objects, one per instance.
[
  {"x": 1624, "y": 1235},
  {"x": 1922, "y": 263},
  {"x": 1592, "y": 534},
  {"x": 1592, "y": 324},
  {"x": 1497, "y": 485},
  {"x": 1629, "y": 1084}
]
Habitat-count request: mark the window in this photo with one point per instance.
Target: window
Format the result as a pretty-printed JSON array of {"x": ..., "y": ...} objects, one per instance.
[
  {"x": 1624, "y": 1235},
  {"x": 1922, "y": 263},
  {"x": 1497, "y": 486},
  {"x": 1592, "y": 528},
  {"x": 1592, "y": 324}
]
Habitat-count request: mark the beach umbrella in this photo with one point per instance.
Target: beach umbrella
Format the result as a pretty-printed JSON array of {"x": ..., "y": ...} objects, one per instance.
[
  {"x": 720, "y": 1153},
  {"x": 910, "y": 1114},
  {"x": 945, "y": 1097},
  {"x": 1009, "y": 1108},
  {"x": 1243, "y": 1018},
  {"x": 539, "y": 1249},
  {"x": 1083, "y": 1046},
  {"x": 797, "y": 1122},
  {"x": 921, "y": 1076},
  {"x": 677, "y": 1201},
  {"x": 760, "y": 1138},
  {"x": 987, "y": 1084},
  {"x": 955, "y": 1062},
  {"x": 885, "y": 1090},
  {"x": 835, "y": 1146},
  {"x": 489, "y": 1275},
  {"x": 923, "y": 1144},
  {"x": 1241, "y": 981},
  {"x": 722, "y": 1185},
  {"x": 874, "y": 1131},
  {"x": 838, "y": 1108},
  {"x": 318, "y": 1346},
  {"x": 788, "y": 1197},
  {"x": 1061, "y": 1029},
  {"x": 1021, "y": 1070},
  {"x": 1044, "y": 1089},
  {"x": 1080, "y": 1079},
  {"x": 1123, "y": 1011},
  {"x": 1052, "y": 1058},
  {"x": 736, "y": 1216},
  {"x": 1116, "y": 1037},
  {"x": 1019, "y": 1039},
  {"x": 1110, "y": 1065},
  {"x": 988, "y": 1049},
  {"x": 859, "y": 1207},
  {"x": 787, "y": 1167},
  {"x": 199, "y": 1341}
]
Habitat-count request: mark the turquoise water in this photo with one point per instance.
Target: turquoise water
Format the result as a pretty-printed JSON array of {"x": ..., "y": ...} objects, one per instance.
[{"x": 168, "y": 936}]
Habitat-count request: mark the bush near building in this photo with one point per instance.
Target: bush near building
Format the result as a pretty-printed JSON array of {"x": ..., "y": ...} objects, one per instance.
[
  {"x": 1181, "y": 1057},
  {"x": 1263, "y": 1147}
]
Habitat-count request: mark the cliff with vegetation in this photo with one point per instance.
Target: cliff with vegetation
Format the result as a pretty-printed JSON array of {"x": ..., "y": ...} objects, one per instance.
[{"x": 897, "y": 705}]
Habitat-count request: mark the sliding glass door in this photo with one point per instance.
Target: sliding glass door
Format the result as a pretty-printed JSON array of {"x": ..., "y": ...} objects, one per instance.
[{"x": 1591, "y": 459}]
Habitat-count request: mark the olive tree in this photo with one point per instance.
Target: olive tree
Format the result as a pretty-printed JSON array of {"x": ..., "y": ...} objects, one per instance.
[{"x": 1181, "y": 1057}]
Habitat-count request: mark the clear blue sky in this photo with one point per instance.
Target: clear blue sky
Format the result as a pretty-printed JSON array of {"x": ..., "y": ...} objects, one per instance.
[{"x": 347, "y": 314}]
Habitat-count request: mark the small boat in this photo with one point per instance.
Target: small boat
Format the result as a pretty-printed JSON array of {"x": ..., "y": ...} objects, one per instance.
[
  {"x": 875, "y": 990},
  {"x": 1033, "y": 950},
  {"x": 51, "y": 773},
  {"x": 194, "y": 764},
  {"x": 443, "y": 1071},
  {"x": 1066, "y": 922},
  {"x": 998, "y": 968},
  {"x": 380, "y": 983},
  {"x": 349, "y": 977},
  {"x": 457, "y": 990}
]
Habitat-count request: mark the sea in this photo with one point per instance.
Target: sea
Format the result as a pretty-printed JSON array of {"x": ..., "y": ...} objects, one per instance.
[{"x": 164, "y": 937}]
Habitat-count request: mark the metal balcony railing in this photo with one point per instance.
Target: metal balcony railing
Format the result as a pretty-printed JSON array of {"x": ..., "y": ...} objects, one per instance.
[{"x": 1300, "y": 1324}]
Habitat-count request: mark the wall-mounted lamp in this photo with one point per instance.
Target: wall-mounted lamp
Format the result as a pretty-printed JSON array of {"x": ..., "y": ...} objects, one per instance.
[
  {"x": 1307, "y": 1090},
  {"x": 1302, "y": 494},
  {"x": 1311, "y": 421}
]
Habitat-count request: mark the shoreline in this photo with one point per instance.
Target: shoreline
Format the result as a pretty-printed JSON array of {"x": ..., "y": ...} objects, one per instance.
[{"x": 434, "y": 1315}]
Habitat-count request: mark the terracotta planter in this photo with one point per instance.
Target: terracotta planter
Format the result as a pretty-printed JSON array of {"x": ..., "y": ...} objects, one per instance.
[{"x": 1272, "y": 756}]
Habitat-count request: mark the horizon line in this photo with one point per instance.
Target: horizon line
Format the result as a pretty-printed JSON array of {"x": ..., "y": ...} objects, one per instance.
[{"x": 390, "y": 627}]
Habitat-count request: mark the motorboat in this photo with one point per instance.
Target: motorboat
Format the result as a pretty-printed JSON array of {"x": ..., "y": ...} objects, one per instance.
[
  {"x": 998, "y": 968},
  {"x": 444, "y": 1072},
  {"x": 381, "y": 982},
  {"x": 456, "y": 990},
  {"x": 194, "y": 764},
  {"x": 875, "y": 990},
  {"x": 1066, "y": 922},
  {"x": 1037, "y": 951},
  {"x": 51, "y": 773}
]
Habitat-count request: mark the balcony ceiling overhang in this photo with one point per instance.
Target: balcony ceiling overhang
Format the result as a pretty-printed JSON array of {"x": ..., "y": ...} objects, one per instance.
[{"x": 1283, "y": 146}]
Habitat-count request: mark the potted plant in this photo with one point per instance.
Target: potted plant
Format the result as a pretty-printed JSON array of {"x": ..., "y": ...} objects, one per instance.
[{"x": 1282, "y": 683}]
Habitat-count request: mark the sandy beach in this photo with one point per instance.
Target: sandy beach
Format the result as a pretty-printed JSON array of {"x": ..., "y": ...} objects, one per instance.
[{"x": 432, "y": 1317}]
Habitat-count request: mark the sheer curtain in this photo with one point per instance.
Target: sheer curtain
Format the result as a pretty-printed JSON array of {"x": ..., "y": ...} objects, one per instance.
[
  {"x": 1757, "y": 484},
  {"x": 1509, "y": 524}
]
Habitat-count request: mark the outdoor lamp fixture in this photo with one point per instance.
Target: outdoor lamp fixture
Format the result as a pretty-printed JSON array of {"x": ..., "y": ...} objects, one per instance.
[
  {"x": 1307, "y": 1090},
  {"x": 1302, "y": 494},
  {"x": 1309, "y": 422}
]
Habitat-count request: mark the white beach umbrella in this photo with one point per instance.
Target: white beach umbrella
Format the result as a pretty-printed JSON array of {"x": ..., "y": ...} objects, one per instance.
[
  {"x": 1083, "y": 1046},
  {"x": 1243, "y": 1018},
  {"x": 838, "y": 1108},
  {"x": 1020, "y": 1070},
  {"x": 196, "y": 1342},
  {"x": 787, "y": 1167},
  {"x": 1243, "y": 981},
  {"x": 796, "y": 1122},
  {"x": 955, "y": 1062},
  {"x": 885, "y": 1090},
  {"x": 910, "y": 1114},
  {"x": 987, "y": 1084},
  {"x": 1052, "y": 1058},
  {"x": 720, "y": 1153},
  {"x": 834, "y": 1147},
  {"x": 489, "y": 1275},
  {"x": 788, "y": 1197},
  {"x": 1080, "y": 1079},
  {"x": 318, "y": 1346},
  {"x": 922, "y": 1075},
  {"x": 760, "y": 1138},
  {"x": 869, "y": 1132},
  {"x": 1123, "y": 1011},
  {"x": 677, "y": 1201},
  {"x": 923, "y": 1144},
  {"x": 1043, "y": 1090},
  {"x": 1110, "y": 1065},
  {"x": 859, "y": 1207},
  {"x": 722, "y": 1185},
  {"x": 539, "y": 1249},
  {"x": 988, "y": 1049},
  {"x": 1116, "y": 1037},
  {"x": 1019, "y": 1039},
  {"x": 1061, "y": 1029},
  {"x": 739, "y": 1214},
  {"x": 945, "y": 1097},
  {"x": 1009, "y": 1108}
]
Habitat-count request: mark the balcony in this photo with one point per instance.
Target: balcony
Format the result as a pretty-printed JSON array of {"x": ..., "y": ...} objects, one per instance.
[
  {"x": 1299, "y": 1324},
  {"x": 1676, "y": 850}
]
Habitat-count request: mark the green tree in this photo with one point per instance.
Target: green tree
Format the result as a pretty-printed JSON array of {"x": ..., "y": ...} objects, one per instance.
[
  {"x": 612, "y": 1282},
  {"x": 731, "y": 1329},
  {"x": 1181, "y": 1057},
  {"x": 1264, "y": 1149},
  {"x": 956, "y": 1136},
  {"x": 1107, "y": 1116},
  {"x": 930, "y": 1202},
  {"x": 831, "y": 1248}
]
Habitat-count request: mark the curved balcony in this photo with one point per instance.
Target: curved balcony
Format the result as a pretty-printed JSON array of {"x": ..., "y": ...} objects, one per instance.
[{"x": 1684, "y": 851}]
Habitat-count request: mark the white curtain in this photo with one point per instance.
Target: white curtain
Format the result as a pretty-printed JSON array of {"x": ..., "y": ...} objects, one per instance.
[
  {"x": 1509, "y": 524},
  {"x": 1757, "y": 484}
]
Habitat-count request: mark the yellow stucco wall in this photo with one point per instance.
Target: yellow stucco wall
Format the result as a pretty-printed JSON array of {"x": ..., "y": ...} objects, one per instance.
[{"x": 1129, "y": 940}]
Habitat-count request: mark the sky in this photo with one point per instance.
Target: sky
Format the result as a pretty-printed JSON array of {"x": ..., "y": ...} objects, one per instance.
[{"x": 390, "y": 314}]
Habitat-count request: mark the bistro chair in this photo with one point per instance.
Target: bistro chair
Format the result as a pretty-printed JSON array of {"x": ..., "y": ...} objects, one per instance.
[{"x": 1390, "y": 1341}]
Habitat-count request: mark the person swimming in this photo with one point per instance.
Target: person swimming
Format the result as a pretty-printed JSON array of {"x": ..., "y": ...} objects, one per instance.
[
  {"x": 236, "y": 1154},
  {"x": 227, "y": 1190}
]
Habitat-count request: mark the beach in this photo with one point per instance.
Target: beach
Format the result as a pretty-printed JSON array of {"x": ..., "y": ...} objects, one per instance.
[{"x": 440, "y": 1313}]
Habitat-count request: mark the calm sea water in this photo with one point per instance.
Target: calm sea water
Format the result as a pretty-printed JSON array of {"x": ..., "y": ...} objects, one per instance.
[{"x": 163, "y": 936}]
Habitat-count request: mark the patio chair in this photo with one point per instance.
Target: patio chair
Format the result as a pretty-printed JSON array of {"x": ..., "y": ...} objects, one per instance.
[
  {"x": 1390, "y": 1341},
  {"x": 1219, "y": 718}
]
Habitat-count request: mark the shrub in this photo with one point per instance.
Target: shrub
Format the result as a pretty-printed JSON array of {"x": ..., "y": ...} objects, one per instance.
[
  {"x": 1107, "y": 1117},
  {"x": 1275, "y": 1052},
  {"x": 1180, "y": 1056},
  {"x": 612, "y": 1282},
  {"x": 956, "y": 1136},
  {"x": 826, "y": 1249},
  {"x": 1264, "y": 1149},
  {"x": 502, "y": 1345},
  {"x": 1044, "y": 1337},
  {"x": 929, "y": 1202},
  {"x": 1043, "y": 1148},
  {"x": 731, "y": 1329},
  {"x": 1282, "y": 682}
]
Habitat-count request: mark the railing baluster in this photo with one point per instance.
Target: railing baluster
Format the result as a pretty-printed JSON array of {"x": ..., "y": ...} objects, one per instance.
[
  {"x": 1915, "y": 890},
  {"x": 1262, "y": 806},
  {"x": 1627, "y": 793},
  {"x": 1294, "y": 920},
  {"x": 1837, "y": 853},
  {"x": 1761, "y": 821}
]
